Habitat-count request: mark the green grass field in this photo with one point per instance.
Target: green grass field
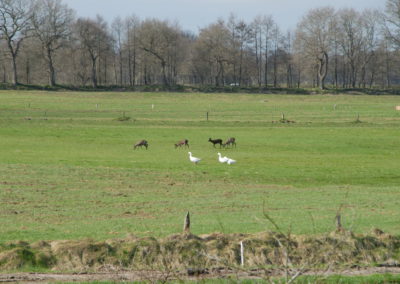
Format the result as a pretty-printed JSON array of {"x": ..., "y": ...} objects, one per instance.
[{"x": 68, "y": 169}]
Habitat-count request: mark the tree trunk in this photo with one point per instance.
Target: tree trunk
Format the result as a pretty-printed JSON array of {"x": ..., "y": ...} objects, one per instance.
[
  {"x": 259, "y": 65},
  {"x": 165, "y": 80},
  {"x": 94, "y": 75},
  {"x": 353, "y": 74},
  {"x": 322, "y": 69},
  {"x": 298, "y": 78},
  {"x": 219, "y": 76},
  {"x": 115, "y": 71},
  {"x": 275, "y": 69},
  {"x": 266, "y": 64},
  {"x": 52, "y": 75},
  {"x": 372, "y": 78},
  {"x": 363, "y": 82},
  {"x": 14, "y": 70},
  {"x": 4, "y": 74},
  {"x": 28, "y": 71},
  {"x": 105, "y": 70},
  {"x": 240, "y": 66},
  {"x": 336, "y": 69},
  {"x": 134, "y": 68},
  {"x": 289, "y": 76},
  {"x": 120, "y": 67},
  {"x": 387, "y": 68},
  {"x": 130, "y": 65},
  {"x": 257, "y": 61},
  {"x": 145, "y": 74}
]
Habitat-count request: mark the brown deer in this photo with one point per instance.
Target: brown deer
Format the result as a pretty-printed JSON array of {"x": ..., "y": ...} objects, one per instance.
[
  {"x": 215, "y": 141},
  {"x": 181, "y": 143},
  {"x": 230, "y": 141},
  {"x": 140, "y": 144}
]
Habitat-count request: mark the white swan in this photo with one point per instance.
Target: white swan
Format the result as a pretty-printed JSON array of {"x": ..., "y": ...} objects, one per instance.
[
  {"x": 193, "y": 159},
  {"x": 230, "y": 161},
  {"x": 222, "y": 159}
]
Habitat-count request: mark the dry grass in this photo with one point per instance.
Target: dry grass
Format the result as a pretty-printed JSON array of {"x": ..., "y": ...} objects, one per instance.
[{"x": 183, "y": 251}]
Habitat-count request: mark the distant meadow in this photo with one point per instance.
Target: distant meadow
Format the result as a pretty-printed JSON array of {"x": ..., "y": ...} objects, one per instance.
[{"x": 68, "y": 169}]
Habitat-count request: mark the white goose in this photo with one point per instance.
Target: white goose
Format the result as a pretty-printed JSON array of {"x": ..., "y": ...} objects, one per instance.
[
  {"x": 222, "y": 159},
  {"x": 193, "y": 159},
  {"x": 230, "y": 161}
]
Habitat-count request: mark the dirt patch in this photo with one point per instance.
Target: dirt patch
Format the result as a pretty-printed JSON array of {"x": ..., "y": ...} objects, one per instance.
[{"x": 153, "y": 276}]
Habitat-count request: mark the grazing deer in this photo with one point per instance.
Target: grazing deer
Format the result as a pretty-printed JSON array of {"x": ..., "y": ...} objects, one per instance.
[
  {"x": 181, "y": 143},
  {"x": 230, "y": 141},
  {"x": 140, "y": 144},
  {"x": 215, "y": 141}
]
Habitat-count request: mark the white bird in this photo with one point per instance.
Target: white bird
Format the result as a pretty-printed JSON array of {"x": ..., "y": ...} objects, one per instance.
[
  {"x": 193, "y": 159},
  {"x": 230, "y": 161},
  {"x": 222, "y": 159}
]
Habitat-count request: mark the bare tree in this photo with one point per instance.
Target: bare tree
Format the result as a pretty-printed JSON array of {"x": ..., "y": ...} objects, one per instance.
[
  {"x": 94, "y": 39},
  {"x": 287, "y": 43},
  {"x": 370, "y": 20},
  {"x": 268, "y": 25},
  {"x": 213, "y": 47},
  {"x": 244, "y": 38},
  {"x": 160, "y": 39},
  {"x": 258, "y": 43},
  {"x": 231, "y": 26},
  {"x": 52, "y": 23},
  {"x": 276, "y": 41},
  {"x": 117, "y": 30},
  {"x": 351, "y": 39},
  {"x": 15, "y": 18},
  {"x": 314, "y": 38},
  {"x": 263, "y": 33},
  {"x": 392, "y": 21},
  {"x": 131, "y": 25}
]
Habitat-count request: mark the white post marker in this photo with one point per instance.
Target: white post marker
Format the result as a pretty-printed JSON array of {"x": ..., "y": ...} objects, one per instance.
[
  {"x": 241, "y": 253},
  {"x": 152, "y": 106}
]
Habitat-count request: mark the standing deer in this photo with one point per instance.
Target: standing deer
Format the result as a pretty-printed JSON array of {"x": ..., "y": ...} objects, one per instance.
[
  {"x": 215, "y": 141},
  {"x": 230, "y": 141},
  {"x": 181, "y": 143},
  {"x": 140, "y": 144}
]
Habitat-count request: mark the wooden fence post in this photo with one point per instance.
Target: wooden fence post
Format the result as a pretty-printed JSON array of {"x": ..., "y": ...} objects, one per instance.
[
  {"x": 338, "y": 223},
  {"x": 186, "y": 224}
]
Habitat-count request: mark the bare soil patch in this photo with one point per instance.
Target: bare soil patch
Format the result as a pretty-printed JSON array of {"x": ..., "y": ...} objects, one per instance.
[{"x": 146, "y": 275}]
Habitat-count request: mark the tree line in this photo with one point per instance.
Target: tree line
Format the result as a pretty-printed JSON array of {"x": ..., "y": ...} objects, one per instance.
[{"x": 42, "y": 42}]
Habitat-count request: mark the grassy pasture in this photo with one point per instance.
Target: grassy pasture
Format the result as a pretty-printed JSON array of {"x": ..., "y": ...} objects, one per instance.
[{"x": 68, "y": 170}]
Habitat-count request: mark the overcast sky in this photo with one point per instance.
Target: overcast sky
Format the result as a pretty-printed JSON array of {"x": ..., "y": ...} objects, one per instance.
[{"x": 195, "y": 14}]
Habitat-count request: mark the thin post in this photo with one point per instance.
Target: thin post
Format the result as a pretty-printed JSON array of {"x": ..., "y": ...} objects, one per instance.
[
  {"x": 241, "y": 253},
  {"x": 338, "y": 222},
  {"x": 207, "y": 115},
  {"x": 186, "y": 224}
]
